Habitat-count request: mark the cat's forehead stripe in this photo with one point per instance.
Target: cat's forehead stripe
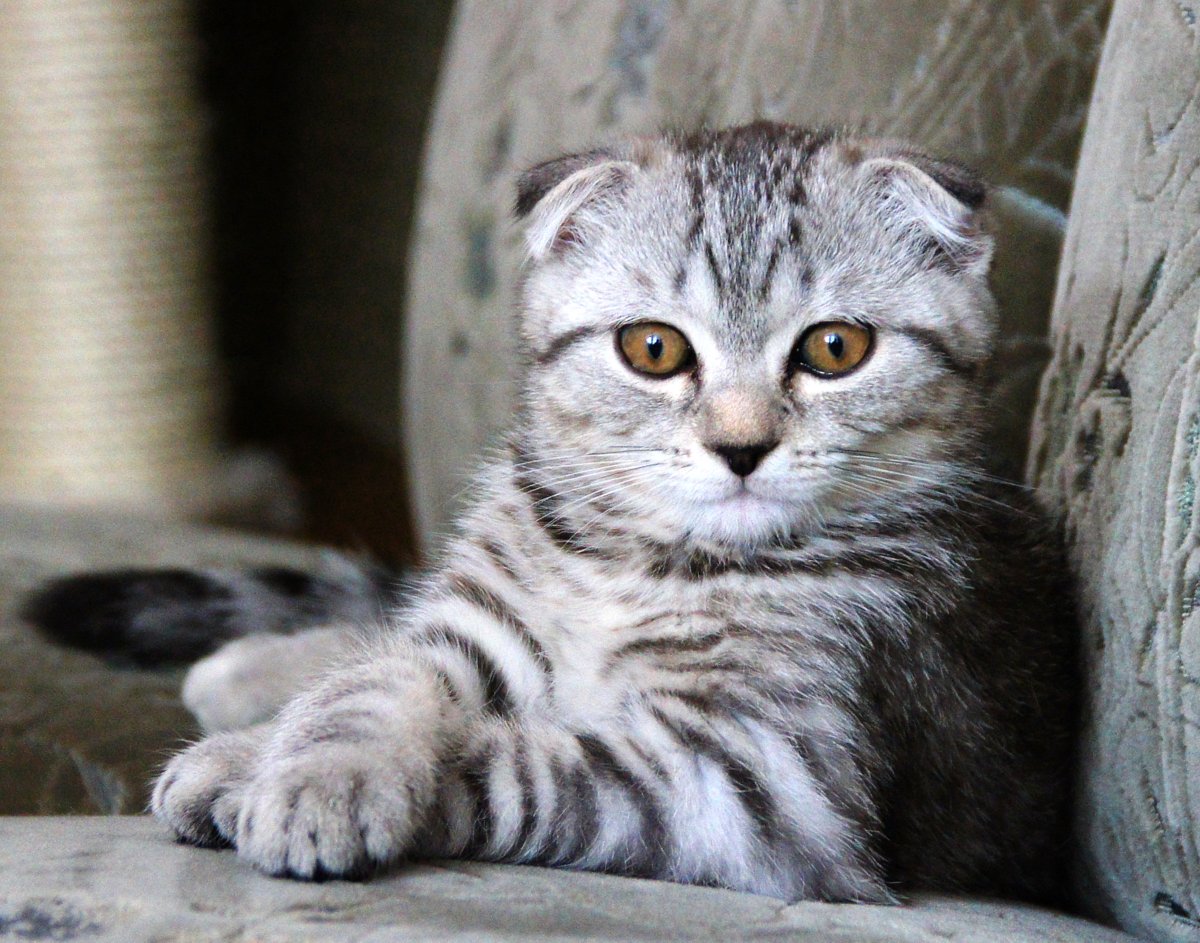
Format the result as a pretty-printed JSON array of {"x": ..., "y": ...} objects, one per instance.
[{"x": 739, "y": 192}]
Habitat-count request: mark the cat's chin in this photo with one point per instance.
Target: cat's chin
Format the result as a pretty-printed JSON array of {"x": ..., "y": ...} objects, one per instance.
[{"x": 742, "y": 519}]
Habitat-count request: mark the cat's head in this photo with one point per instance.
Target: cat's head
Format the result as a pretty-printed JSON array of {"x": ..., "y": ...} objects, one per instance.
[{"x": 734, "y": 334}]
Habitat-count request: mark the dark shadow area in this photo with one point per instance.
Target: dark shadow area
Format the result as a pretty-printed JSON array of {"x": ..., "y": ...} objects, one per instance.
[{"x": 318, "y": 116}]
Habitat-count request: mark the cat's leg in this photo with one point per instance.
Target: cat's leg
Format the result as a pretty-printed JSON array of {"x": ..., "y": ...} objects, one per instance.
[
  {"x": 439, "y": 746},
  {"x": 336, "y": 784},
  {"x": 666, "y": 793},
  {"x": 398, "y": 758},
  {"x": 351, "y": 766},
  {"x": 349, "y": 772},
  {"x": 248, "y": 680}
]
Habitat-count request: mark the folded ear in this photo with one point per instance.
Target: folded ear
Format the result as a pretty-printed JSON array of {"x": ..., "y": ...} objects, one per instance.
[
  {"x": 940, "y": 203},
  {"x": 562, "y": 198}
]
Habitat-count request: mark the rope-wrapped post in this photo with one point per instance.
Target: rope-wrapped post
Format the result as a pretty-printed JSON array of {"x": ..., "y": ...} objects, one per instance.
[{"x": 107, "y": 392}]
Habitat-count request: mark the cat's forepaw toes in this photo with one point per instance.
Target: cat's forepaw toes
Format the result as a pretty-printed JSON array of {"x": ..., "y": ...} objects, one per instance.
[
  {"x": 198, "y": 794},
  {"x": 319, "y": 816}
]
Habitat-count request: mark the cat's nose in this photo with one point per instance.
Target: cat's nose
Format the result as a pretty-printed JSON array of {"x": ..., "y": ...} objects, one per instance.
[{"x": 743, "y": 459}]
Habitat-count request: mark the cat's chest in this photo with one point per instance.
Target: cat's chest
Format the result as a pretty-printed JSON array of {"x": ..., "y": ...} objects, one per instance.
[{"x": 608, "y": 645}]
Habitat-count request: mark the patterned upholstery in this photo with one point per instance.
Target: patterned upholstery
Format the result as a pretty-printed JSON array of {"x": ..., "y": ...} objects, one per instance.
[{"x": 1117, "y": 449}]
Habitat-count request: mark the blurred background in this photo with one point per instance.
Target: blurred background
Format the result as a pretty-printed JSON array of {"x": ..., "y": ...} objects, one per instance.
[
  {"x": 318, "y": 115},
  {"x": 257, "y": 260},
  {"x": 205, "y": 210}
]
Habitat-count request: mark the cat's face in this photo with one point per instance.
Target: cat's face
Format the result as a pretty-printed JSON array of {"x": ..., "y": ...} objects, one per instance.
[{"x": 748, "y": 333}]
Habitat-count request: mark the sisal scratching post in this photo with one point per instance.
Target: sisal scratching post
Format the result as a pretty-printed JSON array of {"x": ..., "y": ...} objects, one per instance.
[{"x": 106, "y": 369}]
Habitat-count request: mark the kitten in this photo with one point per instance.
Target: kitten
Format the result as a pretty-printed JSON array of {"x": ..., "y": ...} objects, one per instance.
[{"x": 736, "y": 605}]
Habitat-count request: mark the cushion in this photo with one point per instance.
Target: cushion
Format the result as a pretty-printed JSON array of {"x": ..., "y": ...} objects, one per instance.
[
  {"x": 124, "y": 880},
  {"x": 1117, "y": 451},
  {"x": 1001, "y": 83}
]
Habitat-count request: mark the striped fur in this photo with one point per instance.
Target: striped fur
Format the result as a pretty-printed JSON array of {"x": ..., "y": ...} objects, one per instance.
[
  {"x": 152, "y": 618},
  {"x": 846, "y": 673},
  {"x": 259, "y": 634}
]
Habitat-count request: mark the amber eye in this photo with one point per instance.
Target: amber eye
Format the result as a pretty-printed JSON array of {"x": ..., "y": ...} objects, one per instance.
[
  {"x": 832, "y": 349},
  {"x": 655, "y": 349}
]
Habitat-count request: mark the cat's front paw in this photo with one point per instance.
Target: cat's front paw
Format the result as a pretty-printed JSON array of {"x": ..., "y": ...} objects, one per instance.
[
  {"x": 327, "y": 811},
  {"x": 199, "y": 792}
]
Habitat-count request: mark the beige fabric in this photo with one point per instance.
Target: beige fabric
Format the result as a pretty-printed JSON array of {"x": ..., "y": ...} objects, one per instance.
[
  {"x": 1118, "y": 449},
  {"x": 124, "y": 881},
  {"x": 1001, "y": 83},
  {"x": 107, "y": 392}
]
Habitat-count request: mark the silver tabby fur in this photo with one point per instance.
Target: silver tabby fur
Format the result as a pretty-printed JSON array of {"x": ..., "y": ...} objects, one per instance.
[{"x": 847, "y": 674}]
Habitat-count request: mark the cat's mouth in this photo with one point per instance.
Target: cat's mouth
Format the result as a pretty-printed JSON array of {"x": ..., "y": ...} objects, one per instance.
[
  {"x": 740, "y": 514},
  {"x": 742, "y": 495}
]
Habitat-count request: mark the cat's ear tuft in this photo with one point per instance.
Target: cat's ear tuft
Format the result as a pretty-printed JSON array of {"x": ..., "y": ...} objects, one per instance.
[
  {"x": 541, "y": 178},
  {"x": 940, "y": 203},
  {"x": 558, "y": 199}
]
